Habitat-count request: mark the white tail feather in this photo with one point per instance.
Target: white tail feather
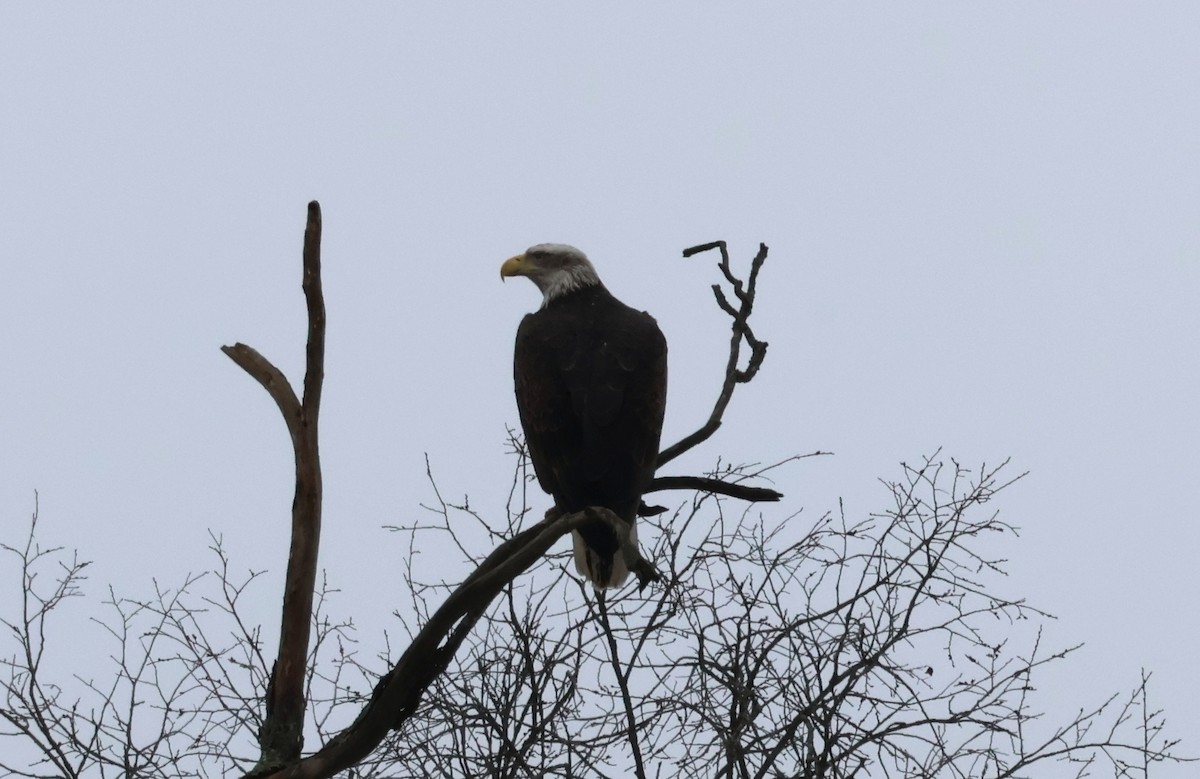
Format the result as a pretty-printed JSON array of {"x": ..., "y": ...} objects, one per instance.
[{"x": 587, "y": 562}]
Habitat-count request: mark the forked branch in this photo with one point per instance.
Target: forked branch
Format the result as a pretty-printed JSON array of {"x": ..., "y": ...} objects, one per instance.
[
  {"x": 281, "y": 736},
  {"x": 744, "y": 293}
]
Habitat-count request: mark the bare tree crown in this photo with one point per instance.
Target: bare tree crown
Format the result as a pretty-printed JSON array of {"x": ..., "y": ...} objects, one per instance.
[{"x": 831, "y": 648}]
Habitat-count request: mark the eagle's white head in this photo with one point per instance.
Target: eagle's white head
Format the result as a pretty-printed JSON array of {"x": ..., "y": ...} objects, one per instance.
[{"x": 555, "y": 268}]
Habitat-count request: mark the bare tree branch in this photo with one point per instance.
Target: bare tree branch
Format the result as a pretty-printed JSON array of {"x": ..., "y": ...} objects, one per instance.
[
  {"x": 741, "y": 331},
  {"x": 632, "y": 729},
  {"x": 715, "y": 486},
  {"x": 272, "y": 380},
  {"x": 281, "y": 736}
]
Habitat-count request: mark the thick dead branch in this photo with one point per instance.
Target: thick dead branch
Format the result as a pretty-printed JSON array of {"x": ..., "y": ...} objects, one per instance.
[
  {"x": 281, "y": 736},
  {"x": 744, "y": 292},
  {"x": 399, "y": 691},
  {"x": 272, "y": 380}
]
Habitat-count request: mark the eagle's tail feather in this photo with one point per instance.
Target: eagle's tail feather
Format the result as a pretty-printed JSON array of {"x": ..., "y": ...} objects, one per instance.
[{"x": 602, "y": 573}]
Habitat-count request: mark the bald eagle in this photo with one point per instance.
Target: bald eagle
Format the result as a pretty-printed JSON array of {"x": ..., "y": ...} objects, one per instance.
[{"x": 591, "y": 385}]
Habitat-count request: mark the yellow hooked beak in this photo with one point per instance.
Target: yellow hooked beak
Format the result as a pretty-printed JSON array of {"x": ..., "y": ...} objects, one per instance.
[{"x": 514, "y": 266}]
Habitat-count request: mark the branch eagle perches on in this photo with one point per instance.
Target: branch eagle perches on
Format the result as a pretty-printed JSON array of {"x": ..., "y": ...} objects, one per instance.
[{"x": 399, "y": 691}]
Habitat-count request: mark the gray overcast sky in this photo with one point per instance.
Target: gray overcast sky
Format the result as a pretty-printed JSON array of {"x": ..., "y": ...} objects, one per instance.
[{"x": 985, "y": 236}]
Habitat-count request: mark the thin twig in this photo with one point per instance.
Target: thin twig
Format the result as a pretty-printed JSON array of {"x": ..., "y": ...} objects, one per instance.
[{"x": 614, "y": 657}]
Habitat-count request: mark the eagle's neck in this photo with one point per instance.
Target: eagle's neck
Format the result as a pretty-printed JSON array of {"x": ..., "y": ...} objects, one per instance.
[{"x": 567, "y": 280}]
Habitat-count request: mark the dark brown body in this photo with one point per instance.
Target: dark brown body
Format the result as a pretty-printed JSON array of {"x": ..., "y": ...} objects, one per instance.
[{"x": 591, "y": 384}]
